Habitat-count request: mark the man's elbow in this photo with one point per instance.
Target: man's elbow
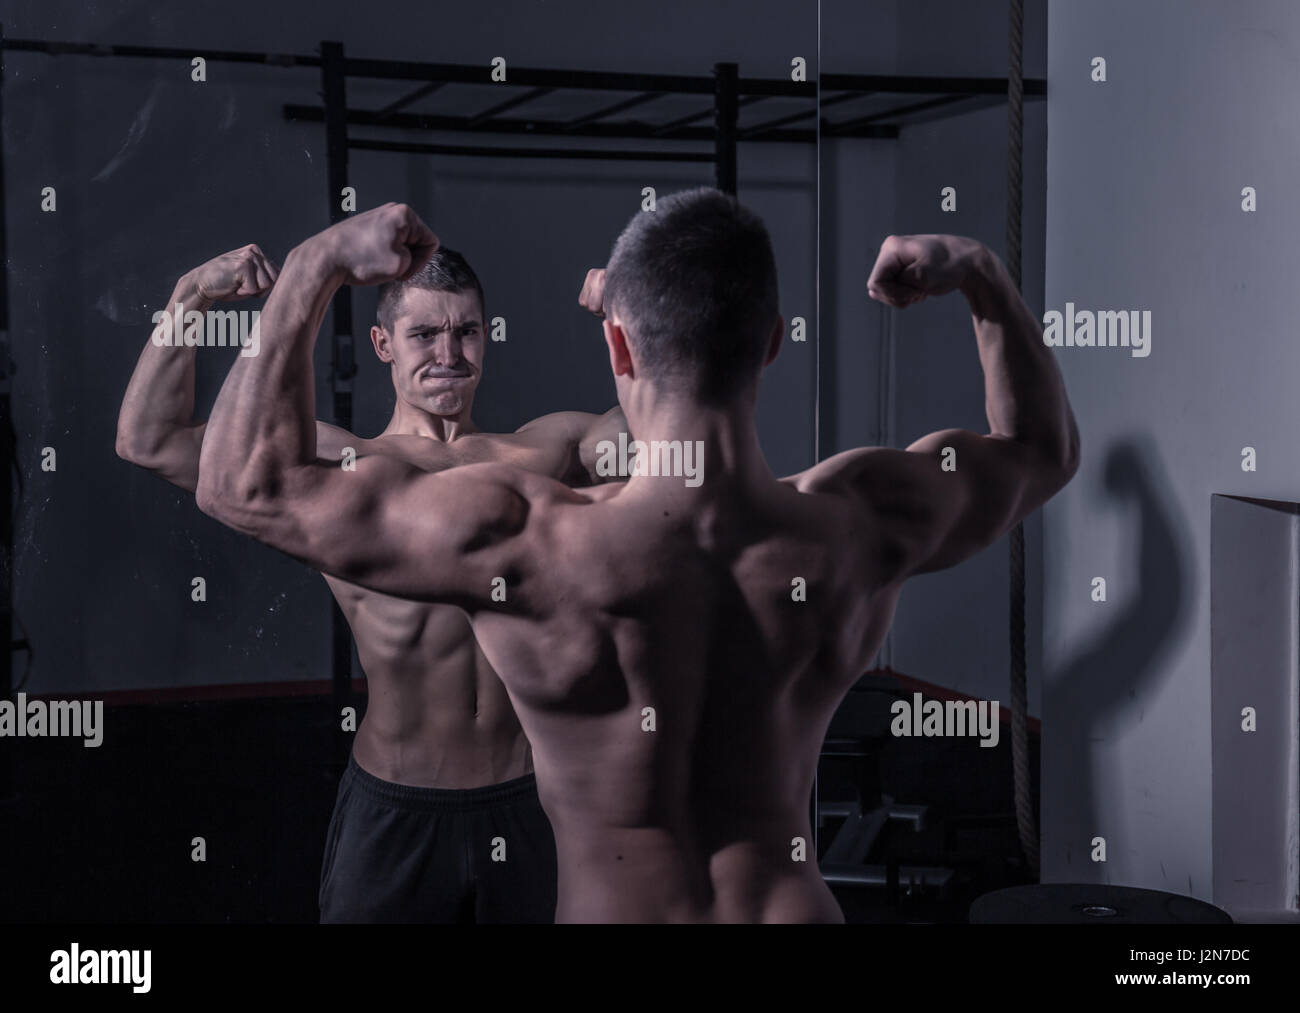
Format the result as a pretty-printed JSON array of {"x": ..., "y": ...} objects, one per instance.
[
  {"x": 126, "y": 450},
  {"x": 1055, "y": 470},
  {"x": 133, "y": 448},
  {"x": 1072, "y": 463},
  {"x": 210, "y": 496},
  {"x": 1069, "y": 463},
  {"x": 227, "y": 500}
]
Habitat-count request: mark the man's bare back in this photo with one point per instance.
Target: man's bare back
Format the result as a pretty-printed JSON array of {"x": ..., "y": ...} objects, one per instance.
[
  {"x": 674, "y": 651},
  {"x": 683, "y": 602}
]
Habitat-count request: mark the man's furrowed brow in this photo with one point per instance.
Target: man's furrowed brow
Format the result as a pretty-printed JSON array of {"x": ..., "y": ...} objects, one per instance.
[{"x": 443, "y": 325}]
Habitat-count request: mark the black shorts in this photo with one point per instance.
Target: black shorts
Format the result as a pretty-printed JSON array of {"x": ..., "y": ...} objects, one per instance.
[{"x": 397, "y": 853}]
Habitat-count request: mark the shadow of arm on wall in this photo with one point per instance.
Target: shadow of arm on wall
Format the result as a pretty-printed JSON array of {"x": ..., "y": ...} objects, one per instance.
[
  {"x": 1108, "y": 678},
  {"x": 1102, "y": 679}
]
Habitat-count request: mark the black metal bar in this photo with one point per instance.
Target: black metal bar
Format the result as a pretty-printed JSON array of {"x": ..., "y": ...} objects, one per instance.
[
  {"x": 849, "y": 96},
  {"x": 906, "y": 84},
  {"x": 610, "y": 110},
  {"x": 685, "y": 121},
  {"x": 415, "y": 96},
  {"x": 973, "y": 103},
  {"x": 594, "y": 80},
  {"x": 53, "y": 48},
  {"x": 775, "y": 87},
  {"x": 461, "y": 73},
  {"x": 752, "y": 133},
  {"x": 6, "y": 473},
  {"x": 342, "y": 366},
  {"x": 416, "y": 147},
  {"x": 674, "y": 125},
  {"x": 726, "y": 115},
  {"x": 539, "y": 128},
  {"x": 889, "y": 114},
  {"x": 509, "y": 103},
  {"x": 749, "y": 133},
  {"x": 334, "y": 90}
]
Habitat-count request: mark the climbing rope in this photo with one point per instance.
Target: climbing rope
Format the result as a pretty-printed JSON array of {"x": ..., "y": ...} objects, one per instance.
[{"x": 1025, "y": 824}]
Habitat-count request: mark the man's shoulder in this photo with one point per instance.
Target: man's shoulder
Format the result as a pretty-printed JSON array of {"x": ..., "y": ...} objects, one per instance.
[
  {"x": 334, "y": 442},
  {"x": 565, "y": 424},
  {"x": 842, "y": 473}
]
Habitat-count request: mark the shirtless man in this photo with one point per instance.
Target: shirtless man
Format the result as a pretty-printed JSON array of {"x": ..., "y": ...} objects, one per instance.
[
  {"x": 440, "y": 767},
  {"x": 674, "y": 687}
]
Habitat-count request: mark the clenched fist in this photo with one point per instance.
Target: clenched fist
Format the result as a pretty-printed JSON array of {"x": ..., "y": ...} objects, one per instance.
[
  {"x": 239, "y": 274},
  {"x": 910, "y": 268},
  {"x": 592, "y": 296},
  {"x": 387, "y": 243}
]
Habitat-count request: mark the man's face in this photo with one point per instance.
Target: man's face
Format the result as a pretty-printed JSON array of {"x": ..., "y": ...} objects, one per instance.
[{"x": 436, "y": 349}]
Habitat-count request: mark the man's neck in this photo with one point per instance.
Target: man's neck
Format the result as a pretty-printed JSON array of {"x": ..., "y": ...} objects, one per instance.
[
  {"x": 723, "y": 453},
  {"x": 410, "y": 421}
]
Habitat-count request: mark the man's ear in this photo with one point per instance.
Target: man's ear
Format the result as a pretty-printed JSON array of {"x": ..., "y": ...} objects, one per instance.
[
  {"x": 774, "y": 341},
  {"x": 620, "y": 355},
  {"x": 381, "y": 340}
]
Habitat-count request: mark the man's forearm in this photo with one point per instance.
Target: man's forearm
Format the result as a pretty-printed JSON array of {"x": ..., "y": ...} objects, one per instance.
[
  {"x": 1024, "y": 392},
  {"x": 158, "y": 408},
  {"x": 263, "y": 422}
]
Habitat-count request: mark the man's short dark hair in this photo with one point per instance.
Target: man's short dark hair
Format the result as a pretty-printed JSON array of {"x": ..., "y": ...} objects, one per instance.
[
  {"x": 694, "y": 282},
  {"x": 446, "y": 271}
]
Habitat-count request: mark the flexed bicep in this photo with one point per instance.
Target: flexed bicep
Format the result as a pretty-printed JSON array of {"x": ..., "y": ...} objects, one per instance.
[{"x": 936, "y": 504}]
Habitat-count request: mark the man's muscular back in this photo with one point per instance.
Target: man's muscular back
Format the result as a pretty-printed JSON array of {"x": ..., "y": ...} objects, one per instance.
[{"x": 678, "y": 700}]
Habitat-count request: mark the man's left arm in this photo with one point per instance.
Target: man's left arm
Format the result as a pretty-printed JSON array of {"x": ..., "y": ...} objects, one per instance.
[
  {"x": 386, "y": 525},
  {"x": 583, "y": 433},
  {"x": 602, "y": 429}
]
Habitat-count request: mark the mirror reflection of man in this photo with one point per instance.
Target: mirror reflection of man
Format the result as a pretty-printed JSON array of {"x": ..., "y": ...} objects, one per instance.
[{"x": 440, "y": 767}]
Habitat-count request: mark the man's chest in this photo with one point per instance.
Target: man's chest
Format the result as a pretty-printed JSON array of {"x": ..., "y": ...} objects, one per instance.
[{"x": 554, "y": 458}]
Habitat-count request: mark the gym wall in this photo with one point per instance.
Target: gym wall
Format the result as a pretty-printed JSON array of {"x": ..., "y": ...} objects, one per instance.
[{"x": 1144, "y": 211}]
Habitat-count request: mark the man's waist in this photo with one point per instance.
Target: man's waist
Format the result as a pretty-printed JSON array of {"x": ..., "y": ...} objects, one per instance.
[
  {"x": 439, "y": 795},
  {"x": 637, "y": 887},
  {"x": 438, "y": 756}
]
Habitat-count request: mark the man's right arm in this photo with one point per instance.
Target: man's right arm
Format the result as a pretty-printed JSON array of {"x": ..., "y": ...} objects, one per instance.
[
  {"x": 156, "y": 429},
  {"x": 954, "y": 492}
]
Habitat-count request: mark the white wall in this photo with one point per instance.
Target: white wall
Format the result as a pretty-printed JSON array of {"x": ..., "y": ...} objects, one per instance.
[{"x": 1144, "y": 211}]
